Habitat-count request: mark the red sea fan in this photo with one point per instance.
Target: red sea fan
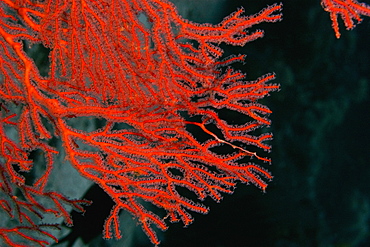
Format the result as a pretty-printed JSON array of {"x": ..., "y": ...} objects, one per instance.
[{"x": 154, "y": 78}]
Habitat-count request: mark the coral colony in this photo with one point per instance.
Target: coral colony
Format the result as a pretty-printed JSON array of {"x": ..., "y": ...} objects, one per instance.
[{"x": 153, "y": 79}]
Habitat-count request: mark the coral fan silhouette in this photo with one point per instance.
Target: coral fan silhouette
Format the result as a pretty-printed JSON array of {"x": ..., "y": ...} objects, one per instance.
[
  {"x": 153, "y": 79},
  {"x": 152, "y": 76}
]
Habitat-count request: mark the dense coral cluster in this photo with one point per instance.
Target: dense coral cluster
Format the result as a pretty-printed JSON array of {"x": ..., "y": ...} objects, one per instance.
[
  {"x": 152, "y": 76},
  {"x": 159, "y": 85}
]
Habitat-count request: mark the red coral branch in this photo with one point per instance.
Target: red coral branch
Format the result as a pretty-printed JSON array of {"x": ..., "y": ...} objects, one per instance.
[
  {"x": 349, "y": 10},
  {"x": 23, "y": 236}
]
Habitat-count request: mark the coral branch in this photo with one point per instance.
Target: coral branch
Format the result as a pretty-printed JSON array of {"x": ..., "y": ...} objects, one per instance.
[
  {"x": 23, "y": 236},
  {"x": 349, "y": 10}
]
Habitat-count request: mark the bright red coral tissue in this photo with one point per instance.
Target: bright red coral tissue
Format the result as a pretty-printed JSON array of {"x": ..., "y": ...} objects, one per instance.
[
  {"x": 349, "y": 10},
  {"x": 155, "y": 79}
]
